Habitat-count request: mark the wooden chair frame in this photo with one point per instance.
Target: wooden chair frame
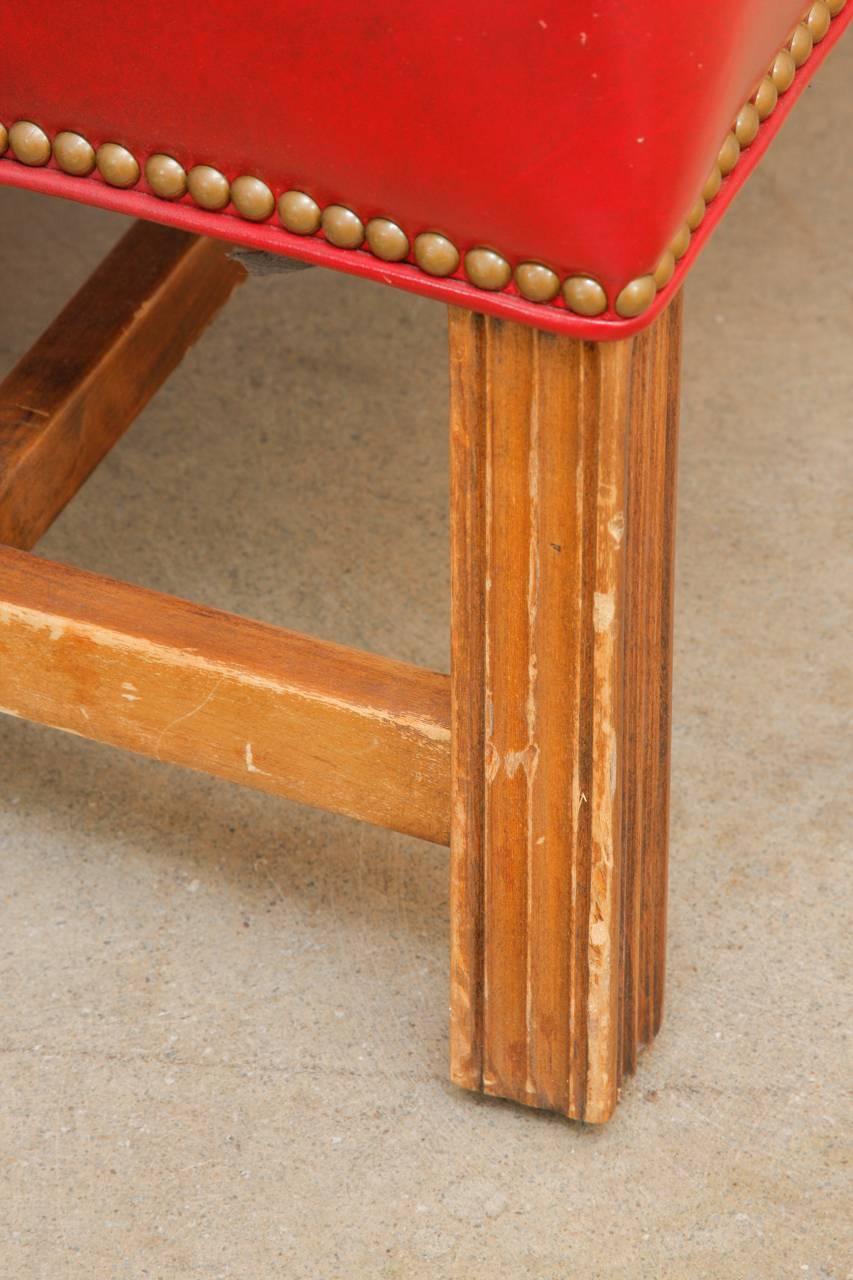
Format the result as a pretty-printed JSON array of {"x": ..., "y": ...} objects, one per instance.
[{"x": 543, "y": 759}]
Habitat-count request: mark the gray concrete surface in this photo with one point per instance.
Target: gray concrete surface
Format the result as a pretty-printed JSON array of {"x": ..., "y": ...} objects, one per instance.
[{"x": 223, "y": 1029}]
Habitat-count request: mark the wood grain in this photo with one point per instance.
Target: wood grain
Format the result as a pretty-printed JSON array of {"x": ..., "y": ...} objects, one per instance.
[
  {"x": 75, "y": 392},
  {"x": 650, "y": 568},
  {"x": 543, "y": 616},
  {"x": 318, "y": 722}
]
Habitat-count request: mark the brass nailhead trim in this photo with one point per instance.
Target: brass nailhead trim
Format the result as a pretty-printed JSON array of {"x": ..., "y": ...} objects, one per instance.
[
  {"x": 800, "y": 44},
  {"x": 537, "y": 282},
  {"x": 680, "y": 242},
  {"x": 765, "y": 98},
  {"x": 74, "y": 154},
  {"x": 747, "y": 124},
  {"x": 29, "y": 143},
  {"x": 117, "y": 165},
  {"x": 252, "y": 198},
  {"x": 208, "y": 187},
  {"x": 584, "y": 295},
  {"x": 487, "y": 269},
  {"x": 665, "y": 269},
  {"x": 299, "y": 213},
  {"x": 166, "y": 177},
  {"x": 433, "y": 253},
  {"x": 782, "y": 70},
  {"x": 818, "y": 19},
  {"x": 388, "y": 241},
  {"x": 342, "y": 227},
  {"x": 636, "y": 297}
]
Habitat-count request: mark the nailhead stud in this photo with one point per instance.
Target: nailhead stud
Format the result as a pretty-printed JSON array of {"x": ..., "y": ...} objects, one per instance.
[
  {"x": 663, "y": 272},
  {"x": 4, "y": 138},
  {"x": 765, "y": 98},
  {"x": 584, "y": 296},
  {"x": 388, "y": 241},
  {"x": 818, "y": 20},
  {"x": 680, "y": 241},
  {"x": 800, "y": 44},
  {"x": 487, "y": 269},
  {"x": 783, "y": 70},
  {"x": 116, "y": 165},
  {"x": 74, "y": 154},
  {"x": 537, "y": 283},
  {"x": 747, "y": 125},
  {"x": 208, "y": 187},
  {"x": 166, "y": 177},
  {"x": 835, "y": 6},
  {"x": 435, "y": 254},
  {"x": 342, "y": 227},
  {"x": 252, "y": 198},
  {"x": 299, "y": 213},
  {"x": 636, "y": 297},
  {"x": 712, "y": 184},
  {"x": 729, "y": 155},
  {"x": 29, "y": 143},
  {"x": 696, "y": 214}
]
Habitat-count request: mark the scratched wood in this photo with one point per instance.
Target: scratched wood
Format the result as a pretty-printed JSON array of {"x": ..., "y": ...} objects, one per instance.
[
  {"x": 542, "y": 619},
  {"x": 269, "y": 708},
  {"x": 75, "y": 392},
  {"x": 649, "y": 580}
]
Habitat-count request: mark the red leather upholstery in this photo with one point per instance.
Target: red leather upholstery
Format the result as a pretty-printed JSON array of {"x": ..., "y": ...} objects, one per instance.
[{"x": 575, "y": 133}]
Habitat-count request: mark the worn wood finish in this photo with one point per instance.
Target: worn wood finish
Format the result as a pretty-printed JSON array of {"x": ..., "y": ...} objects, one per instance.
[
  {"x": 561, "y": 623},
  {"x": 77, "y": 390},
  {"x": 299, "y": 717},
  {"x": 646, "y": 727}
]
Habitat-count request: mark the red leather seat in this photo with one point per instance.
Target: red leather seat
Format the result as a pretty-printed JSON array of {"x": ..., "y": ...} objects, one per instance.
[{"x": 527, "y": 145}]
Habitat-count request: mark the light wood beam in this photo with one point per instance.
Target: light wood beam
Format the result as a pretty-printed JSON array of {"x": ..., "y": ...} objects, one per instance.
[
  {"x": 299, "y": 717},
  {"x": 75, "y": 392}
]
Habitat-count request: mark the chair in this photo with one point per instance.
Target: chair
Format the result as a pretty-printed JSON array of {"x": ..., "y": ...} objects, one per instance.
[{"x": 549, "y": 172}]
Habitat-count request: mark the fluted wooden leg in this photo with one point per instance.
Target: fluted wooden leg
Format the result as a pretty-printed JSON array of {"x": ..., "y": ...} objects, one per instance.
[{"x": 563, "y": 457}]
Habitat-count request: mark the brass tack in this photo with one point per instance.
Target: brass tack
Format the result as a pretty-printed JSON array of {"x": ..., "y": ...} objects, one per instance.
[
  {"x": 663, "y": 272},
  {"x": 166, "y": 177},
  {"x": 747, "y": 125},
  {"x": 783, "y": 70},
  {"x": 252, "y": 198},
  {"x": 29, "y": 143},
  {"x": 487, "y": 269},
  {"x": 818, "y": 20},
  {"x": 4, "y": 138},
  {"x": 680, "y": 241},
  {"x": 536, "y": 282},
  {"x": 435, "y": 254},
  {"x": 835, "y": 6},
  {"x": 728, "y": 155},
  {"x": 800, "y": 44},
  {"x": 299, "y": 213},
  {"x": 712, "y": 184},
  {"x": 765, "y": 98},
  {"x": 636, "y": 297},
  {"x": 73, "y": 153},
  {"x": 584, "y": 296},
  {"x": 342, "y": 227},
  {"x": 208, "y": 187},
  {"x": 387, "y": 240},
  {"x": 696, "y": 214},
  {"x": 116, "y": 165}
]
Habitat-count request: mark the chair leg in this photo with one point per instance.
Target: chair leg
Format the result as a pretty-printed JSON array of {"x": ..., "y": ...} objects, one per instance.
[{"x": 562, "y": 494}]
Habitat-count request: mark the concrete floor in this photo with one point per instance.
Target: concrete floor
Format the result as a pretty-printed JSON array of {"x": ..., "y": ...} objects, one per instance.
[{"x": 224, "y": 1026}]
